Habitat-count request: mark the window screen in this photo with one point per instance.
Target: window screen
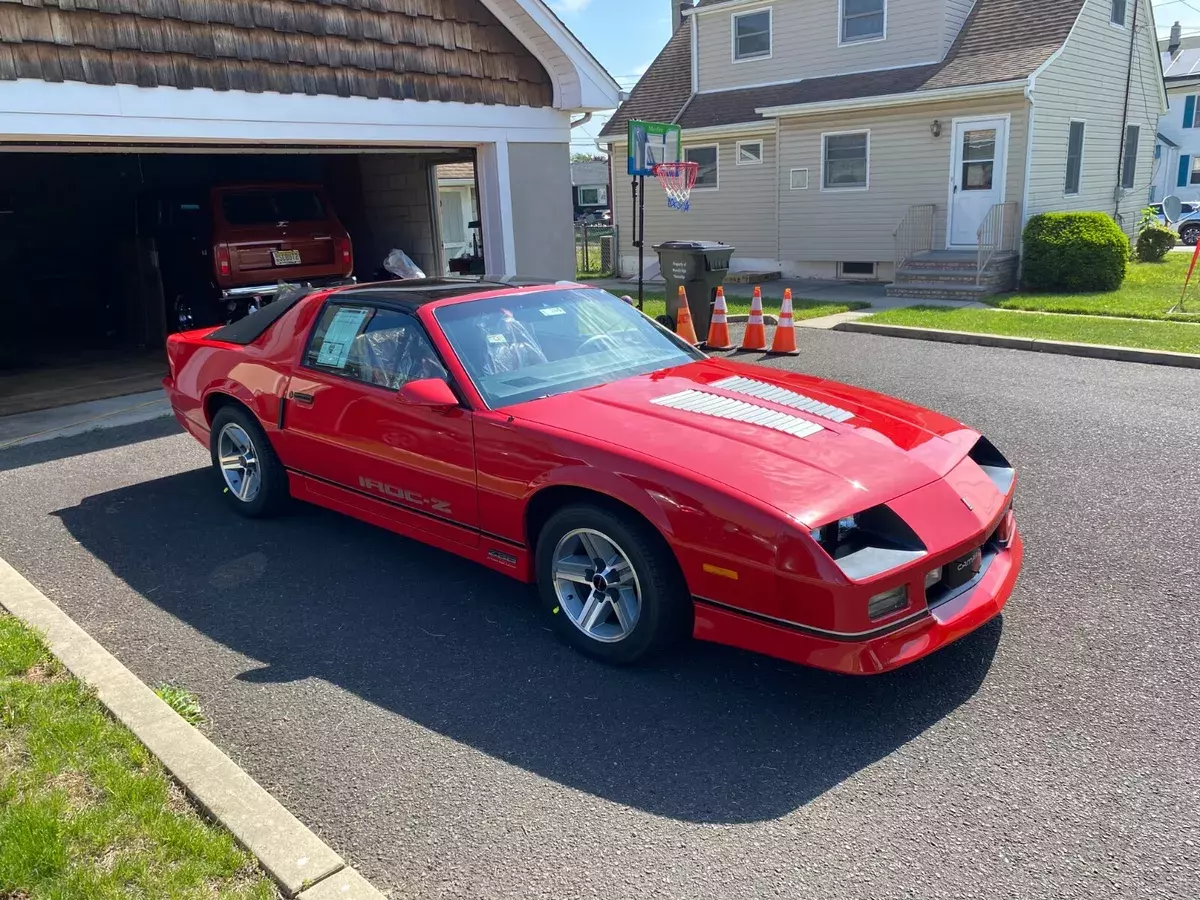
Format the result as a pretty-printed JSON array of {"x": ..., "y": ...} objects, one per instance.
[
  {"x": 862, "y": 20},
  {"x": 707, "y": 158},
  {"x": 846, "y": 160},
  {"x": 752, "y": 35},
  {"x": 1133, "y": 135}
]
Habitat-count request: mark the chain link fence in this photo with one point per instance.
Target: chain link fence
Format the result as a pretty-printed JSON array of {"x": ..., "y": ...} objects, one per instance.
[{"x": 595, "y": 251}]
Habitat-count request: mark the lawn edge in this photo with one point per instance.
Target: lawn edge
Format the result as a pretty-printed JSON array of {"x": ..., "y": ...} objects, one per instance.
[
  {"x": 298, "y": 861},
  {"x": 1035, "y": 345}
]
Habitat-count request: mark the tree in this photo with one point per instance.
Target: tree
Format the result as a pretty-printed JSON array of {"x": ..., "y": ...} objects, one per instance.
[{"x": 587, "y": 157}]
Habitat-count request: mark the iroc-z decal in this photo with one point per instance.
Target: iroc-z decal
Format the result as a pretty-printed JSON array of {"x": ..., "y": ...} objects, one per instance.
[{"x": 404, "y": 496}]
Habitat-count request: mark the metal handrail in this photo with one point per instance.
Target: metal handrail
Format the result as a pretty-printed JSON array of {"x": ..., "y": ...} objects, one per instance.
[
  {"x": 997, "y": 234},
  {"x": 915, "y": 233}
]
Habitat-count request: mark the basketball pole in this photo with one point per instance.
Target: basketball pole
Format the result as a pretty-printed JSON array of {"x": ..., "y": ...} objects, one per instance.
[{"x": 639, "y": 190}]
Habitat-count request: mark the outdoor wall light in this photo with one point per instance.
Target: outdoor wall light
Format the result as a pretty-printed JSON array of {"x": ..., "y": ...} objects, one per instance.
[{"x": 935, "y": 128}]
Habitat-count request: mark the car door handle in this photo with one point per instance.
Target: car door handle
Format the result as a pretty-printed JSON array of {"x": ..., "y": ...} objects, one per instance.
[{"x": 305, "y": 399}]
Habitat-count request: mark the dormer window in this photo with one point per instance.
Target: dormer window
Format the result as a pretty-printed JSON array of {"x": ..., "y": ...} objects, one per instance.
[
  {"x": 752, "y": 35},
  {"x": 863, "y": 20}
]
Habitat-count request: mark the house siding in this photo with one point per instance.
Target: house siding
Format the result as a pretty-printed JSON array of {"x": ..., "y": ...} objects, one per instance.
[
  {"x": 908, "y": 166},
  {"x": 540, "y": 175},
  {"x": 1073, "y": 86},
  {"x": 1170, "y": 126},
  {"x": 805, "y": 43},
  {"x": 956, "y": 14},
  {"x": 742, "y": 211}
]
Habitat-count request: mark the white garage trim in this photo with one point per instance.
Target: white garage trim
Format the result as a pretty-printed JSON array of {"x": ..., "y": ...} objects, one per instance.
[
  {"x": 34, "y": 110},
  {"x": 580, "y": 82},
  {"x": 495, "y": 208}
]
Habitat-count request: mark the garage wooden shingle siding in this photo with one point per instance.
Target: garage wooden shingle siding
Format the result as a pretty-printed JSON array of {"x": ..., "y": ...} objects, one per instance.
[{"x": 445, "y": 50}]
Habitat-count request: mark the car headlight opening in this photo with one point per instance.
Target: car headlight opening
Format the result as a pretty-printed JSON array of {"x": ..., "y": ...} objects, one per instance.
[{"x": 888, "y": 603}]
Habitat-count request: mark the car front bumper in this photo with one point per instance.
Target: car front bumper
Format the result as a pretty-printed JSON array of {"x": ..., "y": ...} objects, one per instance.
[{"x": 874, "y": 654}]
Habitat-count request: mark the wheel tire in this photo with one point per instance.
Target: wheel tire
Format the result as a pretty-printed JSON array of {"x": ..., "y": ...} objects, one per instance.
[
  {"x": 272, "y": 494},
  {"x": 1190, "y": 234},
  {"x": 666, "y": 612}
]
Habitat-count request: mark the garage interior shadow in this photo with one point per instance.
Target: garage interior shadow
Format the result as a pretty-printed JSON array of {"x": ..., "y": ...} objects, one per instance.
[{"x": 705, "y": 734}]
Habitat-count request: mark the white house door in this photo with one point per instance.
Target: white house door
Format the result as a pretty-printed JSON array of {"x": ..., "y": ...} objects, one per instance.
[{"x": 977, "y": 173}]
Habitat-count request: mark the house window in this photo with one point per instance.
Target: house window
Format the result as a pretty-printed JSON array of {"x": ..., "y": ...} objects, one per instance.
[
  {"x": 1117, "y": 16},
  {"x": 799, "y": 179},
  {"x": 844, "y": 161},
  {"x": 708, "y": 178},
  {"x": 1190, "y": 119},
  {"x": 1195, "y": 175},
  {"x": 749, "y": 153},
  {"x": 862, "y": 20},
  {"x": 752, "y": 35},
  {"x": 593, "y": 196},
  {"x": 1133, "y": 135},
  {"x": 858, "y": 269},
  {"x": 1074, "y": 158}
]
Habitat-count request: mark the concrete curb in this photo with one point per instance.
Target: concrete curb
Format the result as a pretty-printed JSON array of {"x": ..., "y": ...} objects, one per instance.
[
  {"x": 296, "y": 858},
  {"x": 1063, "y": 348}
]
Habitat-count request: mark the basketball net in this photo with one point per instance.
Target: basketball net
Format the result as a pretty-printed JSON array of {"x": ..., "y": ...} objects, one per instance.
[{"x": 678, "y": 179}]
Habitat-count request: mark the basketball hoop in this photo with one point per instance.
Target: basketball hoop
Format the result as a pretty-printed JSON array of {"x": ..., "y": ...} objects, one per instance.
[{"x": 678, "y": 179}]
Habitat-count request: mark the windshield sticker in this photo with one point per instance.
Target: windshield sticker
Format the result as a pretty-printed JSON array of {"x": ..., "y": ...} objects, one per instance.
[
  {"x": 553, "y": 311},
  {"x": 342, "y": 331},
  {"x": 497, "y": 339}
]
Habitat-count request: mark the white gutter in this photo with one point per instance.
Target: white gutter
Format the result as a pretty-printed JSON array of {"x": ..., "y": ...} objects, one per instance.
[
  {"x": 911, "y": 99},
  {"x": 722, "y": 7}
]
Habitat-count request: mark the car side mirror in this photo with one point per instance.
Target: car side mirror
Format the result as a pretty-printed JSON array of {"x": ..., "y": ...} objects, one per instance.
[{"x": 433, "y": 393}]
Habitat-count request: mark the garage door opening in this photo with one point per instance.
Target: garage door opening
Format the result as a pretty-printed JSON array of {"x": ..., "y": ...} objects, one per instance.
[{"x": 105, "y": 253}]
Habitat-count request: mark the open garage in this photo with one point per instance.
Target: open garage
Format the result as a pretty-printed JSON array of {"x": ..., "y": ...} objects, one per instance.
[
  {"x": 119, "y": 124},
  {"x": 107, "y": 252}
]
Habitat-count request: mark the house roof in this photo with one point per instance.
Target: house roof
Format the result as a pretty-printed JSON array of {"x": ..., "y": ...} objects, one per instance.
[
  {"x": 1001, "y": 41},
  {"x": 453, "y": 171}
]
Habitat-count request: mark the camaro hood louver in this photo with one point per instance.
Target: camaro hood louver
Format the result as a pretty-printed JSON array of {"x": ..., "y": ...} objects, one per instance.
[
  {"x": 719, "y": 407},
  {"x": 763, "y": 391}
]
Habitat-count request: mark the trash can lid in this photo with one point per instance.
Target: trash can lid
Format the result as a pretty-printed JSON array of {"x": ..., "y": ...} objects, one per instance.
[{"x": 700, "y": 246}]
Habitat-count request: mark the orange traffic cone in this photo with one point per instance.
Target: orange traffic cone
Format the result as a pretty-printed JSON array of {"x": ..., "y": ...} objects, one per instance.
[
  {"x": 756, "y": 332},
  {"x": 718, "y": 331},
  {"x": 683, "y": 320},
  {"x": 785, "y": 334}
]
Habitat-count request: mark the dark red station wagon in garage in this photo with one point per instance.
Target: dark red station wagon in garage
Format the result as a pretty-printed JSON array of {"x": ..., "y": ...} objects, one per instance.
[{"x": 557, "y": 435}]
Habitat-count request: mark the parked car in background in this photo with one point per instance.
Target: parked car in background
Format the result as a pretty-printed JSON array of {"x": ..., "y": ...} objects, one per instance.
[
  {"x": 1188, "y": 224},
  {"x": 224, "y": 252}
]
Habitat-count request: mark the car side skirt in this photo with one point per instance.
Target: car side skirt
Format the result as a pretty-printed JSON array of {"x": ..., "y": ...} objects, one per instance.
[{"x": 489, "y": 550}]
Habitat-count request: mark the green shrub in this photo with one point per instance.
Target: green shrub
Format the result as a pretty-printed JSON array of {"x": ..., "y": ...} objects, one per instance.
[
  {"x": 1074, "y": 252},
  {"x": 1154, "y": 242}
]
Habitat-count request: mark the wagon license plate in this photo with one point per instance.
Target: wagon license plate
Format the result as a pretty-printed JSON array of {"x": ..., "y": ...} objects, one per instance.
[{"x": 286, "y": 257}]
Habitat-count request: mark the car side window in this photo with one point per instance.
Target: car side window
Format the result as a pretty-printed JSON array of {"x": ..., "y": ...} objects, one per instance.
[{"x": 376, "y": 346}]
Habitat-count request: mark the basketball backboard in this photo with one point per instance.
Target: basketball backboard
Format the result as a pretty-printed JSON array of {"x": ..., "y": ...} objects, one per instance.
[{"x": 652, "y": 143}]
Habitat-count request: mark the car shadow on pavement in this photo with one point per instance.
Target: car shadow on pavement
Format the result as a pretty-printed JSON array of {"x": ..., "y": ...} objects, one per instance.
[{"x": 704, "y": 734}]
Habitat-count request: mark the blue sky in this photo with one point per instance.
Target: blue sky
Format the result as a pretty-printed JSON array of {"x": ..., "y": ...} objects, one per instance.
[{"x": 626, "y": 35}]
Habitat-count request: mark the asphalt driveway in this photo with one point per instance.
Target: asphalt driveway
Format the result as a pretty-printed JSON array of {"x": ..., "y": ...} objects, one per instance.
[{"x": 413, "y": 709}]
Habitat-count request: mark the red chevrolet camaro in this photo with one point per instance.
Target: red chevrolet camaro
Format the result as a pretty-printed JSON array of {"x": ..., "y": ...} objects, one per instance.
[{"x": 557, "y": 435}]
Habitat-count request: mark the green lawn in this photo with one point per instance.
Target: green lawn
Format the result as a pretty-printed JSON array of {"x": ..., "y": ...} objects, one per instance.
[
  {"x": 1149, "y": 291},
  {"x": 86, "y": 813},
  {"x": 656, "y": 305},
  {"x": 1177, "y": 336}
]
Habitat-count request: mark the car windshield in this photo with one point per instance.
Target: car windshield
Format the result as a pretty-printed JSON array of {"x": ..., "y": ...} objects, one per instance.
[
  {"x": 525, "y": 346},
  {"x": 272, "y": 206}
]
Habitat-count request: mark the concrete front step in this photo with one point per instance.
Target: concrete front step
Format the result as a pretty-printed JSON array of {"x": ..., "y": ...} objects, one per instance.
[
  {"x": 936, "y": 290},
  {"x": 921, "y": 276}
]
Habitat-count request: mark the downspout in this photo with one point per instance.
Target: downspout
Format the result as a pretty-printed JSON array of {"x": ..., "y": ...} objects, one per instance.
[
  {"x": 587, "y": 117},
  {"x": 1137, "y": 7}
]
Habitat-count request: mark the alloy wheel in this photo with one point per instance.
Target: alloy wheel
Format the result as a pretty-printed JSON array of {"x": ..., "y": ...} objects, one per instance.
[
  {"x": 596, "y": 585},
  {"x": 239, "y": 462}
]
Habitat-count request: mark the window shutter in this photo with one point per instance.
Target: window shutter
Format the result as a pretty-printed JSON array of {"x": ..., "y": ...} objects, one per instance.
[
  {"x": 1189, "y": 112},
  {"x": 1185, "y": 170}
]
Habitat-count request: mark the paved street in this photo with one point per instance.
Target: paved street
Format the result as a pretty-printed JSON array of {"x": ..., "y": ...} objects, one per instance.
[{"x": 415, "y": 712}]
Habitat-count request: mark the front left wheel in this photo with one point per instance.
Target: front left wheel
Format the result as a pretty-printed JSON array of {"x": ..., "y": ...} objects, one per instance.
[
  {"x": 610, "y": 583},
  {"x": 255, "y": 481}
]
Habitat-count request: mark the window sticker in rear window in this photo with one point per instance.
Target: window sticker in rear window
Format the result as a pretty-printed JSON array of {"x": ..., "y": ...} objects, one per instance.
[{"x": 335, "y": 347}]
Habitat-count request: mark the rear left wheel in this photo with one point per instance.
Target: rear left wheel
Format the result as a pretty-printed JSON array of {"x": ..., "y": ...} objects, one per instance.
[
  {"x": 255, "y": 481},
  {"x": 612, "y": 587}
]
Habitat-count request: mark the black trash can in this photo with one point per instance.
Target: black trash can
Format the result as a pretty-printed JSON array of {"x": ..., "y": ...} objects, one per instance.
[{"x": 701, "y": 267}]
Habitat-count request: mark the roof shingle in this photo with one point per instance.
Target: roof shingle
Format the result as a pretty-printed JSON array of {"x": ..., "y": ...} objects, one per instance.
[{"x": 1001, "y": 41}]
